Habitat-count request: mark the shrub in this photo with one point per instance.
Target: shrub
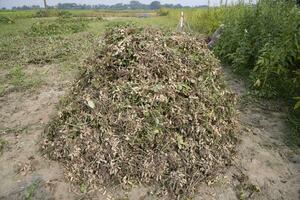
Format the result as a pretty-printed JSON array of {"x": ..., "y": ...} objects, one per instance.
[
  {"x": 293, "y": 137},
  {"x": 263, "y": 41},
  {"x": 64, "y": 13},
  {"x": 53, "y": 13},
  {"x": 59, "y": 26},
  {"x": 163, "y": 12},
  {"x": 6, "y": 20},
  {"x": 42, "y": 13}
]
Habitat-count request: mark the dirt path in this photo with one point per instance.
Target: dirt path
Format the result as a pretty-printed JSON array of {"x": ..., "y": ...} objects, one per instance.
[{"x": 264, "y": 168}]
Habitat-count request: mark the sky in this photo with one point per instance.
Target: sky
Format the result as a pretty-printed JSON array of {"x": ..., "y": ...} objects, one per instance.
[{"x": 11, "y": 3}]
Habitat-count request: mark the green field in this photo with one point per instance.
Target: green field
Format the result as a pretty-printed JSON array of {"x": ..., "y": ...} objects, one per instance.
[{"x": 78, "y": 13}]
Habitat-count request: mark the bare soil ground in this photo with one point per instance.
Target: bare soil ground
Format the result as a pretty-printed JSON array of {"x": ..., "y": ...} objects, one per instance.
[{"x": 264, "y": 167}]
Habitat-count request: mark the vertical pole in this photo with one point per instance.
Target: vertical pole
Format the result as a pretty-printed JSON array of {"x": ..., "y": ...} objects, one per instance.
[
  {"x": 45, "y": 5},
  {"x": 181, "y": 21}
]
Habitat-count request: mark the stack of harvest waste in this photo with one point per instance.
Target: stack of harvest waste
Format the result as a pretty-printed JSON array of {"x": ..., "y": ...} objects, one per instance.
[{"x": 150, "y": 107}]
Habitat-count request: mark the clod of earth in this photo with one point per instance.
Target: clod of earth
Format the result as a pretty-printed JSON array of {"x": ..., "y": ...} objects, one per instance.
[{"x": 150, "y": 107}]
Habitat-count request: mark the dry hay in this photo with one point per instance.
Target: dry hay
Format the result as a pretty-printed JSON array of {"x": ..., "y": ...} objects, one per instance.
[{"x": 151, "y": 108}]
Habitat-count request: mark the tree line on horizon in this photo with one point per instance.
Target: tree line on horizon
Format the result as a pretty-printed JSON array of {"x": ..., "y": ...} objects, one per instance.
[{"x": 133, "y": 5}]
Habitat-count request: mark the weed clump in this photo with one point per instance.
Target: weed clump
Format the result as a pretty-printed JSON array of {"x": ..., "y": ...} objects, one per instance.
[
  {"x": 62, "y": 25},
  {"x": 151, "y": 108},
  {"x": 52, "y": 13},
  {"x": 163, "y": 12},
  {"x": 6, "y": 20},
  {"x": 2, "y": 145}
]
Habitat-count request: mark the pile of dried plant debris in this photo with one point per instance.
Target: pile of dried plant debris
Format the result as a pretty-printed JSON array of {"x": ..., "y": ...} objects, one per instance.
[{"x": 151, "y": 108}]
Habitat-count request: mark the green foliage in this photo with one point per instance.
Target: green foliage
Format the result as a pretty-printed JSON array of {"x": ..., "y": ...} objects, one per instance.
[
  {"x": 31, "y": 190},
  {"x": 19, "y": 79},
  {"x": 53, "y": 13},
  {"x": 17, "y": 76},
  {"x": 163, "y": 12},
  {"x": 293, "y": 137},
  {"x": 297, "y": 105},
  {"x": 64, "y": 13},
  {"x": 205, "y": 21},
  {"x": 117, "y": 24},
  {"x": 6, "y": 20},
  {"x": 62, "y": 25},
  {"x": 42, "y": 13},
  {"x": 213, "y": 18},
  {"x": 2, "y": 145},
  {"x": 263, "y": 41},
  {"x": 20, "y": 14}
]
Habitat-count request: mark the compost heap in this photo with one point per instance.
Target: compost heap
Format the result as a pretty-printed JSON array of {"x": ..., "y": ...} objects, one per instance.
[{"x": 150, "y": 107}]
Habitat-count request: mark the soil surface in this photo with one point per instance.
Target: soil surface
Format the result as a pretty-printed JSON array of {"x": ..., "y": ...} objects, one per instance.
[{"x": 264, "y": 167}]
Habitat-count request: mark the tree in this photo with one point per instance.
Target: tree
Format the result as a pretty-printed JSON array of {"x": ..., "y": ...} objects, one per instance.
[
  {"x": 135, "y": 5},
  {"x": 155, "y": 5}
]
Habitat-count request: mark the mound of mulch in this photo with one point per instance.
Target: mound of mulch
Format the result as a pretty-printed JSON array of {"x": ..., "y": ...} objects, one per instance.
[{"x": 151, "y": 107}]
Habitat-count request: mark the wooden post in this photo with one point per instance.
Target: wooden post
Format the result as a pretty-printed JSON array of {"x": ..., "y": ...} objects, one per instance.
[{"x": 181, "y": 21}]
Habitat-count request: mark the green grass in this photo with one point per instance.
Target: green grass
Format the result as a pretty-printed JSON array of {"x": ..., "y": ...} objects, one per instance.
[
  {"x": 19, "y": 79},
  {"x": 18, "y": 14},
  {"x": 76, "y": 13},
  {"x": 204, "y": 21},
  {"x": 109, "y": 13},
  {"x": 160, "y": 22},
  {"x": 293, "y": 137},
  {"x": 2, "y": 145},
  {"x": 18, "y": 28},
  {"x": 57, "y": 27},
  {"x": 30, "y": 190}
]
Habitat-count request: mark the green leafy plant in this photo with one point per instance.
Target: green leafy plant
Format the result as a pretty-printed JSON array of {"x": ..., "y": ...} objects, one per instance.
[
  {"x": 264, "y": 43},
  {"x": 19, "y": 79},
  {"x": 199, "y": 20},
  {"x": 6, "y": 20},
  {"x": 297, "y": 105},
  {"x": 60, "y": 26},
  {"x": 163, "y": 12},
  {"x": 30, "y": 190},
  {"x": 2, "y": 145},
  {"x": 52, "y": 13}
]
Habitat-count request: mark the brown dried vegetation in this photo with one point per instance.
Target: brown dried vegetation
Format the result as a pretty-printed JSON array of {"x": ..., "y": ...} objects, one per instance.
[{"x": 151, "y": 107}]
